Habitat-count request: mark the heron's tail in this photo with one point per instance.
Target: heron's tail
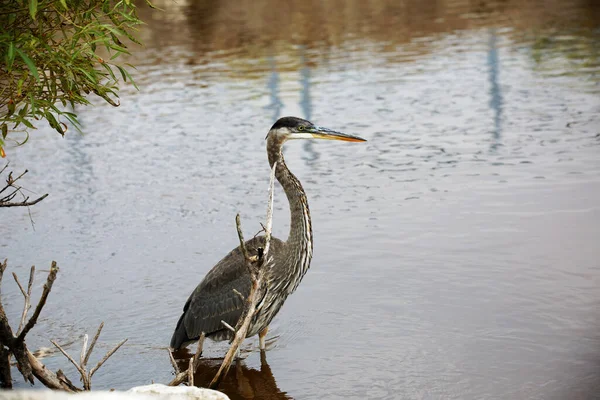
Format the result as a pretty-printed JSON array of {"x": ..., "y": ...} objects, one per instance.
[{"x": 180, "y": 337}]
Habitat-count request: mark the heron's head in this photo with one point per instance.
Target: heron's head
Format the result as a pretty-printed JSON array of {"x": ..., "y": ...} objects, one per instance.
[{"x": 288, "y": 128}]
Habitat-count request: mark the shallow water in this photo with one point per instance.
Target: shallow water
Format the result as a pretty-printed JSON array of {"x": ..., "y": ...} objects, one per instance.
[{"x": 456, "y": 252}]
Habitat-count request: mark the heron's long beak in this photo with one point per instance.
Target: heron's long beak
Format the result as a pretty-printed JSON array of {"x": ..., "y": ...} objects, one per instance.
[{"x": 324, "y": 133}]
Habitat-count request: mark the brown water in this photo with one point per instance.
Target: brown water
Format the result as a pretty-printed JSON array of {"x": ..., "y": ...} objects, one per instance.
[{"x": 456, "y": 252}]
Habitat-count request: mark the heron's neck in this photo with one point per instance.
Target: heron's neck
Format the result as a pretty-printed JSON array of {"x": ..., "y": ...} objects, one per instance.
[{"x": 300, "y": 227}]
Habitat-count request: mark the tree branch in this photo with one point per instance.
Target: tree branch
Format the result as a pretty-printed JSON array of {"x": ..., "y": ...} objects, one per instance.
[
  {"x": 6, "y": 201},
  {"x": 23, "y": 203}
]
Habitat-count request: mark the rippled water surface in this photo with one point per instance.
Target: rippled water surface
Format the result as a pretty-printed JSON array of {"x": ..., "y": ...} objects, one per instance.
[{"x": 456, "y": 252}]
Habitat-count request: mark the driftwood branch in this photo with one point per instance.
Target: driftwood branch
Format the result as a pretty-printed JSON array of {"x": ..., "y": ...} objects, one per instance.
[
  {"x": 27, "y": 363},
  {"x": 255, "y": 268},
  {"x": 254, "y": 265}
]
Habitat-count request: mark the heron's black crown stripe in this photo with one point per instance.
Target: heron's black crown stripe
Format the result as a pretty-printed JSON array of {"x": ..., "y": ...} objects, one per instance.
[{"x": 290, "y": 122}]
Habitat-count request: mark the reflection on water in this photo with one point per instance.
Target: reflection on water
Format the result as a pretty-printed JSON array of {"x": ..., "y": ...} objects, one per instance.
[
  {"x": 455, "y": 252},
  {"x": 495, "y": 93},
  {"x": 273, "y": 87},
  {"x": 241, "y": 382}
]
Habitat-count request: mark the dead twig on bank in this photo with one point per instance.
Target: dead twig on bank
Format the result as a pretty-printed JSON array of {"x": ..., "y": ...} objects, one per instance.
[{"x": 27, "y": 363}]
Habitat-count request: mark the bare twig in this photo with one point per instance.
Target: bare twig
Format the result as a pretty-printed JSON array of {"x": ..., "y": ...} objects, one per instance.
[
  {"x": 269, "y": 226},
  {"x": 238, "y": 224},
  {"x": 241, "y": 296},
  {"x": 226, "y": 325},
  {"x": 83, "y": 349},
  {"x": 191, "y": 372},
  {"x": 26, "y": 295},
  {"x": 107, "y": 356},
  {"x": 41, "y": 303},
  {"x": 24, "y": 203},
  {"x": 79, "y": 369},
  {"x": 173, "y": 362},
  {"x": 94, "y": 340},
  {"x": 198, "y": 351}
]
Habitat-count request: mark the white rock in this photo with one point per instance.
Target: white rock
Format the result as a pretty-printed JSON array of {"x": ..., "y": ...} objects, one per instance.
[
  {"x": 179, "y": 392},
  {"x": 148, "y": 392}
]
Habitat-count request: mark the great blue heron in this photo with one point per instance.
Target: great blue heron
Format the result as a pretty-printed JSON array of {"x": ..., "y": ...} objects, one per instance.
[{"x": 215, "y": 298}]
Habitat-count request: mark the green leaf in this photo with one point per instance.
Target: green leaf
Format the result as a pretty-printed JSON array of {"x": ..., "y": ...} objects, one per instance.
[
  {"x": 10, "y": 55},
  {"x": 132, "y": 38},
  {"x": 153, "y": 6},
  {"x": 126, "y": 76},
  {"x": 110, "y": 71},
  {"x": 4, "y": 131},
  {"x": 27, "y": 123},
  {"x": 23, "y": 111},
  {"x": 54, "y": 123},
  {"x": 26, "y": 139},
  {"x": 30, "y": 64},
  {"x": 122, "y": 70},
  {"x": 64, "y": 3},
  {"x": 33, "y": 8}
]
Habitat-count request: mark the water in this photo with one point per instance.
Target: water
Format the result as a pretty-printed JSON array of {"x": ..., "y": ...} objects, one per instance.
[{"x": 456, "y": 252}]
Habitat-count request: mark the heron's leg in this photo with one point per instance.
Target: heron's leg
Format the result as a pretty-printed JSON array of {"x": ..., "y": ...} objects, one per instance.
[{"x": 261, "y": 337}]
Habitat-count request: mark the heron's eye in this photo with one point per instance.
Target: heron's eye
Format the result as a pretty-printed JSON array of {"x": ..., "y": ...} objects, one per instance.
[{"x": 301, "y": 128}]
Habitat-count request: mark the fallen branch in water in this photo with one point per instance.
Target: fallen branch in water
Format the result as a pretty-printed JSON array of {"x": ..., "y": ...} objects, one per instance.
[{"x": 255, "y": 268}]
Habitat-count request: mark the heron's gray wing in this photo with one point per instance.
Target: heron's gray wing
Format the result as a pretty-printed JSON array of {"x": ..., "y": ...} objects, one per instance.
[{"x": 214, "y": 299}]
